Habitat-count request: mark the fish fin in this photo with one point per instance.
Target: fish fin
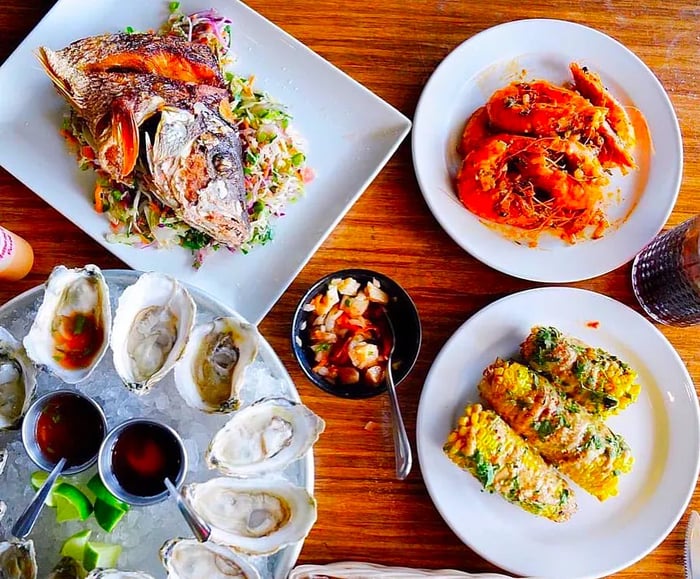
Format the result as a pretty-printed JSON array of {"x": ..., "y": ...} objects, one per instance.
[
  {"x": 125, "y": 133},
  {"x": 61, "y": 85}
]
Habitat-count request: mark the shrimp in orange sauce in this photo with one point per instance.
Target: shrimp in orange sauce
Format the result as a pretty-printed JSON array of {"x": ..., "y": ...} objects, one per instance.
[{"x": 538, "y": 156}]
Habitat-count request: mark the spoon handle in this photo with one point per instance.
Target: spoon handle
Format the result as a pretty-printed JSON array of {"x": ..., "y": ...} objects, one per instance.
[
  {"x": 199, "y": 528},
  {"x": 402, "y": 448},
  {"x": 25, "y": 522}
]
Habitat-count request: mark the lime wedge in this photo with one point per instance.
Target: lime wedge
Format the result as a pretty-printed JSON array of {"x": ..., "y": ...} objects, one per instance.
[
  {"x": 38, "y": 478},
  {"x": 71, "y": 503},
  {"x": 107, "y": 515},
  {"x": 74, "y": 546},
  {"x": 96, "y": 485},
  {"x": 102, "y": 555}
]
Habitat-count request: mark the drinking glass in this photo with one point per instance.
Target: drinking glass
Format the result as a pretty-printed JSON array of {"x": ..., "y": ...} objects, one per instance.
[{"x": 666, "y": 275}]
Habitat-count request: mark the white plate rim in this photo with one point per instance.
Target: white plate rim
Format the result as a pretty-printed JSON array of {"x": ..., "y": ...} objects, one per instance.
[
  {"x": 523, "y": 564},
  {"x": 428, "y": 148}
]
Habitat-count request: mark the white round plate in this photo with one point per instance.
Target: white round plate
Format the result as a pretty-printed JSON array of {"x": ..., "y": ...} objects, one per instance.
[
  {"x": 543, "y": 49},
  {"x": 661, "y": 427}
]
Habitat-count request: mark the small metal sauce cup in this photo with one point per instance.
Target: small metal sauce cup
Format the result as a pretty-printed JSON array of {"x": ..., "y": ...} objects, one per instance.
[
  {"x": 29, "y": 433},
  {"x": 105, "y": 464}
]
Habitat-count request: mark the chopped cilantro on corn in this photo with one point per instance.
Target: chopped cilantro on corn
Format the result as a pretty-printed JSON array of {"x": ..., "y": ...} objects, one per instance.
[
  {"x": 596, "y": 379},
  {"x": 483, "y": 444},
  {"x": 577, "y": 443}
]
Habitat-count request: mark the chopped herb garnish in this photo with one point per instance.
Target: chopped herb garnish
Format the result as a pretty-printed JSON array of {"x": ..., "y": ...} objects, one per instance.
[
  {"x": 79, "y": 324},
  {"x": 484, "y": 469}
]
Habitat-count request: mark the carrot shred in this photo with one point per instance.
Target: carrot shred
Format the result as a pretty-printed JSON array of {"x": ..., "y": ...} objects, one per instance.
[{"x": 99, "y": 202}]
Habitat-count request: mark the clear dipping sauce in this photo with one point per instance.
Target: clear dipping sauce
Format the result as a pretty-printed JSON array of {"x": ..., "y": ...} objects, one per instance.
[
  {"x": 143, "y": 455},
  {"x": 69, "y": 426}
]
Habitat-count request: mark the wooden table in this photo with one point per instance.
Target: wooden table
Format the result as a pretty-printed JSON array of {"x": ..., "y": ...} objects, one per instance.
[{"x": 392, "y": 47}]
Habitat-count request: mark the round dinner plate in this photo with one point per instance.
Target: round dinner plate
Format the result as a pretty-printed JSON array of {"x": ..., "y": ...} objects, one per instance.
[
  {"x": 543, "y": 49},
  {"x": 661, "y": 427}
]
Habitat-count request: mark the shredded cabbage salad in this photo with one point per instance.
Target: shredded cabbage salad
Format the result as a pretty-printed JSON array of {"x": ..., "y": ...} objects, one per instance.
[{"x": 273, "y": 158}]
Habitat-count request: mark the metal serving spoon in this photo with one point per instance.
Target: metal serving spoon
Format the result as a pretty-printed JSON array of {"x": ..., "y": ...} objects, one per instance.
[
  {"x": 25, "y": 522},
  {"x": 402, "y": 448},
  {"x": 199, "y": 528}
]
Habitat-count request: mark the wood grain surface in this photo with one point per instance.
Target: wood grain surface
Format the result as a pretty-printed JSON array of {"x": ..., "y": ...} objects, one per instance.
[{"x": 392, "y": 47}]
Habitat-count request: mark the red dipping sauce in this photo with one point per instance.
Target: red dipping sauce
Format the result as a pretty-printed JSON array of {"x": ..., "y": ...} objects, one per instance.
[
  {"x": 69, "y": 427},
  {"x": 143, "y": 456}
]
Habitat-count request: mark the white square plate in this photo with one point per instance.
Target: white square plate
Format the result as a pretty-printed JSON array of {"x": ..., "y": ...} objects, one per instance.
[{"x": 350, "y": 134}]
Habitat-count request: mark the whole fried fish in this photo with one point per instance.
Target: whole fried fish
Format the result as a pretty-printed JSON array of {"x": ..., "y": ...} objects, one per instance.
[
  {"x": 170, "y": 57},
  {"x": 115, "y": 83},
  {"x": 196, "y": 165}
]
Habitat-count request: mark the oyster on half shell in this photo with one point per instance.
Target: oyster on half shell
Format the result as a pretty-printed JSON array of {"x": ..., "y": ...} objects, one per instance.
[
  {"x": 18, "y": 560},
  {"x": 264, "y": 437},
  {"x": 17, "y": 383},
  {"x": 70, "y": 332},
  {"x": 151, "y": 326},
  {"x": 211, "y": 372},
  {"x": 190, "y": 559},
  {"x": 253, "y": 516}
]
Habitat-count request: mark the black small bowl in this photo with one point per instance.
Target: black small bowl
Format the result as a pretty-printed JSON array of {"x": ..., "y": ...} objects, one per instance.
[{"x": 404, "y": 317}]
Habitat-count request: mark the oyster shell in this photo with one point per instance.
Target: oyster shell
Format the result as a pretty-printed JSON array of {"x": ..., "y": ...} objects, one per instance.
[
  {"x": 3, "y": 459},
  {"x": 253, "y": 516},
  {"x": 70, "y": 332},
  {"x": 17, "y": 383},
  {"x": 67, "y": 568},
  {"x": 264, "y": 437},
  {"x": 3, "y": 509},
  {"x": 151, "y": 326},
  {"x": 212, "y": 369},
  {"x": 117, "y": 574},
  {"x": 190, "y": 559},
  {"x": 18, "y": 560}
]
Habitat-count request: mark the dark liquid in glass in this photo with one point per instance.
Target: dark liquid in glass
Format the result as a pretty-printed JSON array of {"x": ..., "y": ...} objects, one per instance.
[
  {"x": 143, "y": 456},
  {"x": 69, "y": 427}
]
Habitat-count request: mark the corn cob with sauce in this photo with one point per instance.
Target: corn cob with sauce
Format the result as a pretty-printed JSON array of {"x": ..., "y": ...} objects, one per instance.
[
  {"x": 577, "y": 443},
  {"x": 596, "y": 379},
  {"x": 483, "y": 444}
]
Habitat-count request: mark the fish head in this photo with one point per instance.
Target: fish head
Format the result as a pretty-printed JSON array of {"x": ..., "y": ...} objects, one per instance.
[{"x": 195, "y": 161}]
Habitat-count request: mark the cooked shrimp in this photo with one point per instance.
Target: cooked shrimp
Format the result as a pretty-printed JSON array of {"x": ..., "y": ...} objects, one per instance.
[
  {"x": 475, "y": 130},
  {"x": 542, "y": 109},
  {"x": 531, "y": 183},
  {"x": 591, "y": 86}
]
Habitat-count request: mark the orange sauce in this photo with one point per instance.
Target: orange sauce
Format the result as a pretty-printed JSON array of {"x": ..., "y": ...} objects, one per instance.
[{"x": 77, "y": 340}]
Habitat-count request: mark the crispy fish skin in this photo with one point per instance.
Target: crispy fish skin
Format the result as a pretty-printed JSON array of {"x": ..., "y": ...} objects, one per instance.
[
  {"x": 196, "y": 165},
  {"x": 115, "y": 105},
  {"x": 170, "y": 57},
  {"x": 577, "y": 443}
]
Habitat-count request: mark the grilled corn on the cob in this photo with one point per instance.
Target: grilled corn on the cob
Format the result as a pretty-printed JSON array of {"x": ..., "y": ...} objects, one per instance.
[
  {"x": 579, "y": 444},
  {"x": 483, "y": 444},
  {"x": 594, "y": 378}
]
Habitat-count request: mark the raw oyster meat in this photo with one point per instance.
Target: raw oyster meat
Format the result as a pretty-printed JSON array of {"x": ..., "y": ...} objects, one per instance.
[
  {"x": 212, "y": 369},
  {"x": 18, "y": 560},
  {"x": 118, "y": 574},
  {"x": 253, "y": 516},
  {"x": 190, "y": 559},
  {"x": 264, "y": 437},
  {"x": 70, "y": 332},
  {"x": 17, "y": 383},
  {"x": 151, "y": 326},
  {"x": 68, "y": 568}
]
